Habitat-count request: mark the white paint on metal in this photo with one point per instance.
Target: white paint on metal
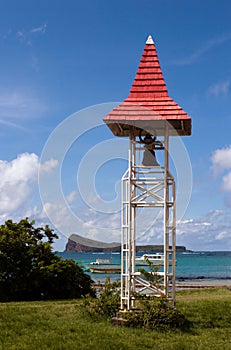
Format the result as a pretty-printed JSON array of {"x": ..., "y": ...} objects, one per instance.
[
  {"x": 147, "y": 187},
  {"x": 150, "y": 40}
]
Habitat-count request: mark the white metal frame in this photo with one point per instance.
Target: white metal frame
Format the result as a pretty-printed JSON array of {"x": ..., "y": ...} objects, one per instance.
[{"x": 147, "y": 187}]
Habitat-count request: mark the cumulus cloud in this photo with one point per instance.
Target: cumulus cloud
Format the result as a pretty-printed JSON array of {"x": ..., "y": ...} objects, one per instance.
[
  {"x": 209, "y": 232},
  {"x": 49, "y": 165},
  {"x": 94, "y": 222},
  {"x": 226, "y": 182},
  {"x": 60, "y": 212},
  {"x": 81, "y": 220},
  {"x": 16, "y": 179},
  {"x": 221, "y": 159},
  {"x": 221, "y": 165},
  {"x": 18, "y": 184}
]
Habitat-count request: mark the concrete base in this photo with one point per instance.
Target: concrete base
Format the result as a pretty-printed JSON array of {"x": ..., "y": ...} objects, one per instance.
[{"x": 118, "y": 321}]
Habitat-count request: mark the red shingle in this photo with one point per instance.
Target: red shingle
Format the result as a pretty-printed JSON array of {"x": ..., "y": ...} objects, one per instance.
[{"x": 148, "y": 100}]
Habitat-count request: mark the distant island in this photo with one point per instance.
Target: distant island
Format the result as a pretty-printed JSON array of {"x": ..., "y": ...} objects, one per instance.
[{"x": 77, "y": 243}]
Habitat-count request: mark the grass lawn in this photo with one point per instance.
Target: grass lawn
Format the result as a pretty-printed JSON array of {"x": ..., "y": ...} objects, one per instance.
[{"x": 62, "y": 325}]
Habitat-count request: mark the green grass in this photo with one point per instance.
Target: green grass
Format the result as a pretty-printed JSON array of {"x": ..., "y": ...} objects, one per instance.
[{"x": 62, "y": 325}]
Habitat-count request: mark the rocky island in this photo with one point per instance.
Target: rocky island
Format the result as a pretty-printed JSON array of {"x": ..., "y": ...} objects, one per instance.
[{"x": 77, "y": 243}]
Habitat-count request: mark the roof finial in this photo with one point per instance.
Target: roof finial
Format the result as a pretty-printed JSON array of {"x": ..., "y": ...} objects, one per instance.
[{"x": 150, "y": 40}]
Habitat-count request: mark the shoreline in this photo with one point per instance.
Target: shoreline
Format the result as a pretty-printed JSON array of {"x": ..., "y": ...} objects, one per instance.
[
  {"x": 192, "y": 283},
  {"x": 203, "y": 282}
]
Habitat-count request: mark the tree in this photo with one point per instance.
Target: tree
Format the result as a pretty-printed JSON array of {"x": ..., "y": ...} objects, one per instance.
[{"x": 30, "y": 270}]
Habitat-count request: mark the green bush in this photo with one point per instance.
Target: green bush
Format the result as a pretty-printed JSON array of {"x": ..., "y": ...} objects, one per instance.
[
  {"x": 156, "y": 313},
  {"x": 30, "y": 270},
  {"x": 153, "y": 312},
  {"x": 107, "y": 304}
]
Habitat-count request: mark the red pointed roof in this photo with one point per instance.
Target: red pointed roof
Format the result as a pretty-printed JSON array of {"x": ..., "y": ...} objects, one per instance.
[{"x": 148, "y": 101}]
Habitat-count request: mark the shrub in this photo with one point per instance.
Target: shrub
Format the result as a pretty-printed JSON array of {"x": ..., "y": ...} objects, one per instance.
[
  {"x": 30, "y": 270},
  {"x": 153, "y": 313},
  {"x": 156, "y": 313},
  {"x": 107, "y": 304}
]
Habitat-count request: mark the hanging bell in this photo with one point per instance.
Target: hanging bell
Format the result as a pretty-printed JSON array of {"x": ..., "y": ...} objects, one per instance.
[{"x": 149, "y": 158}]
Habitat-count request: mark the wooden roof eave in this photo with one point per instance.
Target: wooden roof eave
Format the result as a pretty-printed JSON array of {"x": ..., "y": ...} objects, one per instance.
[{"x": 180, "y": 127}]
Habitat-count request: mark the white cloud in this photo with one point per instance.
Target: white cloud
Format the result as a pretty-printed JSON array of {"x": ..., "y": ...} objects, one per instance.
[
  {"x": 19, "y": 105},
  {"x": 59, "y": 216},
  {"x": 71, "y": 197},
  {"x": 49, "y": 165},
  {"x": 41, "y": 29},
  {"x": 94, "y": 222},
  {"x": 209, "y": 232},
  {"x": 10, "y": 124},
  {"x": 85, "y": 222},
  {"x": 226, "y": 182},
  {"x": 203, "y": 49},
  {"x": 219, "y": 89},
  {"x": 16, "y": 179},
  {"x": 26, "y": 37},
  {"x": 23, "y": 38},
  {"x": 221, "y": 164},
  {"x": 222, "y": 235},
  {"x": 19, "y": 34},
  {"x": 32, "y": 212},
  {"x": 19, "y": 184},
  {"x": 60, "y": 213},
  {"x": 185, "y": 221},
  {"x": 221, "y": 160}
]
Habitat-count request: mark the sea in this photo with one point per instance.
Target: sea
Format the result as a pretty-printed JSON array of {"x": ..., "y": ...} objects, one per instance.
[{"x": 201, "y": 266}]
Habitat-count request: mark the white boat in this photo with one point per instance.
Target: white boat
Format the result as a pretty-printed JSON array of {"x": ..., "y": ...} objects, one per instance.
[
  {"x": 155, "y": 259},
  {"x": 100, "y": 261},
  {"x": 106, "y": 269}
]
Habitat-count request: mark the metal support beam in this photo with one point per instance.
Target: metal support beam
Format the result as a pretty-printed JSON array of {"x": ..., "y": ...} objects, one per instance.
[{"x": 147, "y": 187}]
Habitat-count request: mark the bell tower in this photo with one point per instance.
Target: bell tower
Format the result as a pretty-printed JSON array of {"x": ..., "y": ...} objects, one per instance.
[{"x": 148, "y": 117}]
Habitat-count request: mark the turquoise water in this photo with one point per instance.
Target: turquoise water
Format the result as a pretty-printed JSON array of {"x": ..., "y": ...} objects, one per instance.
[{"x": 207, "y": 265}]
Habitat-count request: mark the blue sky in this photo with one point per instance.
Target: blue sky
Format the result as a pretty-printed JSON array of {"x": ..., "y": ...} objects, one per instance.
[{"x": 58, "y": 58}]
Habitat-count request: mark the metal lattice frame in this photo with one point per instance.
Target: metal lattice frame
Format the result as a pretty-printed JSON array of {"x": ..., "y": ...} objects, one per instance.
[{"x": 147, "y": 187}]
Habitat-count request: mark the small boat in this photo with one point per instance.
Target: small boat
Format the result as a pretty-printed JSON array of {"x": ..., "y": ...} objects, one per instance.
[
  {"x": 155, "y": 259},
  {"x": 100, "y": 261},
  {"x": 106, "y": 269}
]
